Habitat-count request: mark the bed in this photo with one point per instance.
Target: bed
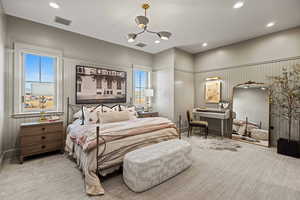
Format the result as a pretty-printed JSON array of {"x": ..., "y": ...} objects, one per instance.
[{"x": 98, "y": 148}]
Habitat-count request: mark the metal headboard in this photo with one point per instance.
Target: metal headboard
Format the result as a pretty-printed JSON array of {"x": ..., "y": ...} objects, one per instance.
[{"x": 77, "y": 107}]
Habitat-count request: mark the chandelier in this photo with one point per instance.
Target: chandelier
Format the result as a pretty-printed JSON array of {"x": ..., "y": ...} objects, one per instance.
[{"x": 142, "y": 22}]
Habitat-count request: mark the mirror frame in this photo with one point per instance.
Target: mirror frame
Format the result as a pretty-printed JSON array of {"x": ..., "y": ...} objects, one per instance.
[{"x": 269, "y": 100}]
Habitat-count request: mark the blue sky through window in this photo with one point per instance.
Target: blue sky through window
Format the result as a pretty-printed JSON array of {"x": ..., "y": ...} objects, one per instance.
[{"x": 38, "y": 69}]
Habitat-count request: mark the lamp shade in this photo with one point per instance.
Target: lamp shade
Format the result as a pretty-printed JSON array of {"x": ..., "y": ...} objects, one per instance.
[
  {"x": 164, "y": 35},
  {"x": 131, "y": 37},
  {"x": 141, "y": 21},
  {"x": 42, "y": 89},
  {"x": 149, "y": 92}
]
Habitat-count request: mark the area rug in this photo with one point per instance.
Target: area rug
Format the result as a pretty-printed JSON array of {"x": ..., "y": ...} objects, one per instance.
[{"x": 218, "y": 144}]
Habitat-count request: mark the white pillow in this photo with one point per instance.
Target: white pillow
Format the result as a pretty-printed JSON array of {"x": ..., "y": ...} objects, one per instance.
[
  {"x": 131, "y": 110},
  {"x": 110, "y": 117}
]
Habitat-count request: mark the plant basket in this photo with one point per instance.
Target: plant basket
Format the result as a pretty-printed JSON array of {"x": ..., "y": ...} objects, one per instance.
[{"x": 288, "y": 147}]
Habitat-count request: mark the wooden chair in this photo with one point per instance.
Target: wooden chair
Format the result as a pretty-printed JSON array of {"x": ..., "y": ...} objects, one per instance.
[{"x": 195, "y": 123}]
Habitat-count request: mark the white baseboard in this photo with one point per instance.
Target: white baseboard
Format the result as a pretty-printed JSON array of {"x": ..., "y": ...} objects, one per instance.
[{"x": 8, "y": 154}]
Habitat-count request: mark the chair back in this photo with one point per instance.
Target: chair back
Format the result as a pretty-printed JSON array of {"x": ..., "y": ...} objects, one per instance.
[{"x": 188, "y": 115}]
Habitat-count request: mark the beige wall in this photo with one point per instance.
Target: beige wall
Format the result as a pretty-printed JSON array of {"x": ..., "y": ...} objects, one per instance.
[
  {"x": 184, "y": 61},
  {"x": 2, "y": 74},
  {"x": 250, "y": 60},
  {"x": 77, "y": 50},
  {"x": 284, "y": 44},
  {"x": 74, "y": 45},
  {"x": 184, "y": 85},
  {"x": 163, "y": 83}
]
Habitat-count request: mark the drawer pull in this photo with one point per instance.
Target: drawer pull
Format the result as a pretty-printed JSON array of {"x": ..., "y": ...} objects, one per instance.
[
  {"x": 43, "y": 137},
  {"x": 43, "y": 128},
  {"x": 43, "y": 147}
]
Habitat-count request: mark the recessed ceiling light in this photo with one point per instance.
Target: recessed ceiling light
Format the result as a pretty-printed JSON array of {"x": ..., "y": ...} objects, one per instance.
[
  {"x": 54, "y": 5},
  {"x": 204, "y": 44},
  {"x": 270, "y": 24},
  {"x": 157, "y": 41},
  {"x": 238, "y": 5}
]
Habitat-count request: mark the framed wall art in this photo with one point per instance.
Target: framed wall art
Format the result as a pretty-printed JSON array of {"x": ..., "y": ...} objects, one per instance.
[
  {"x": 99, "y": 85},
  {"x": 212, "y": 90}
]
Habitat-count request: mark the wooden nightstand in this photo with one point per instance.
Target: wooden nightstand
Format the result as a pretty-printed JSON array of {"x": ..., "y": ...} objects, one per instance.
[
  {"x": 40, "y": 137},
  {"x": 147, "y": 114}
]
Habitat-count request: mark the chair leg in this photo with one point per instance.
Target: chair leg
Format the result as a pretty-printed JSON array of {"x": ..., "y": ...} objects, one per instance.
[{"x": 206, "y": 132}]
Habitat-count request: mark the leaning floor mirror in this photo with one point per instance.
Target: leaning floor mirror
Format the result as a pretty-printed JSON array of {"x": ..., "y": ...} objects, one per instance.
[{"x": 251, "y": 108}]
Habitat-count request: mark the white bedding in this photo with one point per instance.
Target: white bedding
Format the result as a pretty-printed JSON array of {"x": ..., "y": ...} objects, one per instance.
[
  {"x": 76, "y": 130},
  {"x": 115, "y": 150}
]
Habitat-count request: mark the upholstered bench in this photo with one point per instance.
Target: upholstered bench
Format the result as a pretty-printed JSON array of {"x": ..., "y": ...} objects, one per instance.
[{"x": 154, "y": 164}]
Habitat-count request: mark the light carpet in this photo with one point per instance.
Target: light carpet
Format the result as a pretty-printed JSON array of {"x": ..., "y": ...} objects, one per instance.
[{"x": 221, "y": 170}]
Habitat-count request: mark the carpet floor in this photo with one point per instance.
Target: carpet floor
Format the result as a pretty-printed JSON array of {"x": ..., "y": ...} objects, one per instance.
[{"x": 221, "y": 170}]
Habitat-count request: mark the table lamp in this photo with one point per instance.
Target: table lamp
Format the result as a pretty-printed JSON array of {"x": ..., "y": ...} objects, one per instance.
[{"x": 148, "y": 94}]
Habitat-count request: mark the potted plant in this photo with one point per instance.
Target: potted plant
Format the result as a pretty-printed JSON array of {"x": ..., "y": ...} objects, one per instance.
[{"x": 285, "y": 98}]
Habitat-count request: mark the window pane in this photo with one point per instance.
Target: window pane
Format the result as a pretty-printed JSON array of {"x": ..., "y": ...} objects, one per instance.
[
  {"x": 137, "y": 94},
  {"x": 35, "y": 92},
  {"x": 140, "y": 84},
  {"x": 40, "y": 77},
  {"x": 48, "y": 65},
  {"x": 32, "y": 67},
  {"x": 143, "y": 79},
  {"x": 137, "y": 78}
]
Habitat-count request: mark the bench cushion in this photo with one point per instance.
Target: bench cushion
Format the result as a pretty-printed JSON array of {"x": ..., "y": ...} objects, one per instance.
[{"x": 151, "y": 165}]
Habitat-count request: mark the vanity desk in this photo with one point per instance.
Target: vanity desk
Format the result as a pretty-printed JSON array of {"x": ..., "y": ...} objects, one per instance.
[{"x": 213, "y": 113}]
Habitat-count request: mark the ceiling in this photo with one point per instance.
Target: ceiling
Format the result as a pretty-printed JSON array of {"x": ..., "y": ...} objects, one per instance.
[{"x": 191, "y": 22}]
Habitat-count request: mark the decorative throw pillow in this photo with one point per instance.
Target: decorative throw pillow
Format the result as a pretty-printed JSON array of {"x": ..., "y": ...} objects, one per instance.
[
  {"x": 110, "y": 117},
  {"x": 115, "y": 108},
  {"x": 85, "y": 113},
  {"x": 77, "y": 115},
  {"x": 93, "y": 114}
]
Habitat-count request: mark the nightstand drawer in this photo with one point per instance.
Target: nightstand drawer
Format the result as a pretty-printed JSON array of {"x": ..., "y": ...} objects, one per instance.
[
  {"x": 41, "y": 129},
  {"x": 38, "y": 139},
  {"x": 41, "y": 148}
]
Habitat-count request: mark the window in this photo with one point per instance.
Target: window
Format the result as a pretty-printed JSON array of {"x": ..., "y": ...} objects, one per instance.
[
  {"x": 37, "y": 76},
  {"x": 39, "y": 80},
  {"x": 141, "y": 82}
]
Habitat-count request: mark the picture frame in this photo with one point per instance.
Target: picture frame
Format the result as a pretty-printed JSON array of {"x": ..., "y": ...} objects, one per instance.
[
  {"x": 96, "y": 85},
  {"x": 212, "y": 91}
]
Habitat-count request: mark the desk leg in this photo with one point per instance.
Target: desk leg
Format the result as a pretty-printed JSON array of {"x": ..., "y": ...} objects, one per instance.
[{"x": 222, "y": 127}]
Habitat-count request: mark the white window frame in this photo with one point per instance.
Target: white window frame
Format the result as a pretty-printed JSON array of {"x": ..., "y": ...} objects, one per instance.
[
  {"x": 19, "y": 50},
  {"x": 149, "y": 85}
]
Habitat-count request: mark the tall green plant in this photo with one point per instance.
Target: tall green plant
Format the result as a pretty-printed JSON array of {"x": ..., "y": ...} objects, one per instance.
[{"x": 285, "y": 94}]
